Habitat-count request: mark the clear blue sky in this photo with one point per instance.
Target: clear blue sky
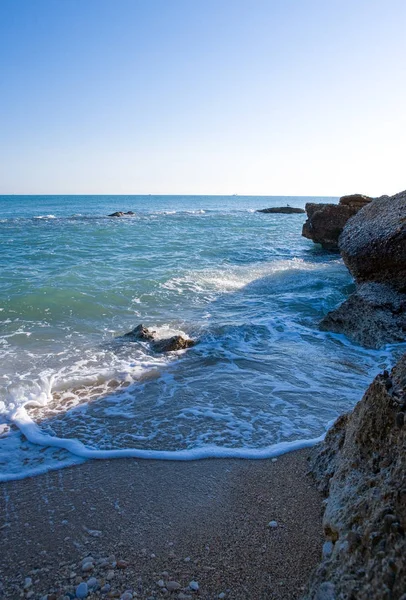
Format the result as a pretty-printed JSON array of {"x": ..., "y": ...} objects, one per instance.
[{"x": 293, "y": 97}]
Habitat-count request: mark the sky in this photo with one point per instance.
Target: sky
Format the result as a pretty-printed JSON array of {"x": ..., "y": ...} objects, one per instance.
[{"x": 255, "y": 97}]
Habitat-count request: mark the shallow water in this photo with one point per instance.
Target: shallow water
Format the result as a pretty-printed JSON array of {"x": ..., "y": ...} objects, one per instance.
[{"x": 262, "y": 379}]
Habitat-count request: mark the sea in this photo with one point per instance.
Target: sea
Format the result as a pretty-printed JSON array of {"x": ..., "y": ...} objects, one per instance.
[{"x": 262, "y": 378}]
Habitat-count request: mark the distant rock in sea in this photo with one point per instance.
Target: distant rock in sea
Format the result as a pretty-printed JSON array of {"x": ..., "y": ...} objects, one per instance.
[
  {"x": 325, "y": 222},
  {"x": 373, "y": 246},
  {"x": 286, "y": 210},
  {"x": 129, "y": 213},
  {"x": 361, "y": 468}
]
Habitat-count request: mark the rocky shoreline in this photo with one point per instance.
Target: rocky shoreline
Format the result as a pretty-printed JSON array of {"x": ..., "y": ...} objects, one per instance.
[{"x": 361, "y": 465}]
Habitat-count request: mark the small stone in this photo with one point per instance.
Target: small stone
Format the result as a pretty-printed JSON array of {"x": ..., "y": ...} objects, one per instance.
[
  {"x": 82, "y": 590},
  {"x": 222, "y": 595},
  {"x": 273, "y": 524},
  {"x": 87, "y": 566},
  {"x": 187, "y": 559},
  {"x": 106, "y": 588},
  {"x": 327, "y": 549},
  {"x": 173, "y": 586},
  {"x": 126, "y": 596},
  {"x": 152, "y": 555},
  {"x": 92, "y": 582},
  {"x": 110, "y": 575},
  {"x": 122, "y": 564},
  {"x": 183, "y": 596},
  {"x": 400, "y": 419},
  {"x": 30, "y": 594},
  {"x": 194, "y": 586},
  {"x": 161, "y": 583},
  {"x": 27, "y": 583}
]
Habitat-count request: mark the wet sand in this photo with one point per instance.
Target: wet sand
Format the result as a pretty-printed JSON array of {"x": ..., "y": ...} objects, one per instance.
[{"x": 204, "y": 521}]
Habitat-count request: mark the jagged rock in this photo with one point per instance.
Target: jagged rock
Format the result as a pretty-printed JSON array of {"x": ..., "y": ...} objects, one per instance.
[
  {"x": 122, "y": 214},
  {"x": 141, "y": 333},
  {"x": 286, "y": 210},
  {"x": 361, "y": 466},
  {"x": 373, "y": 243},
  {"x": 372, "y": 316},
  {"x": 325, "y": 222},
  {"x": 172, "y": 344},
  {"x": 177, "y": 342}
]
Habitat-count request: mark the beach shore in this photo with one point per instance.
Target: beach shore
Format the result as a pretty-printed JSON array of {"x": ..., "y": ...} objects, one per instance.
[{"x": 203, "y": 521}]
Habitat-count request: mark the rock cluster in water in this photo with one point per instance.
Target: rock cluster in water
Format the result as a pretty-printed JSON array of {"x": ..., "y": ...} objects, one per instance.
[
  {"x": 361, "y": 467},
  {"x": 325, "y": 222},
  {"x": 172, "y": 344},
  {"x": 119, "y": 213},
  {"x": 286, "y": 210},
  {"x": 373, "y": 246}
]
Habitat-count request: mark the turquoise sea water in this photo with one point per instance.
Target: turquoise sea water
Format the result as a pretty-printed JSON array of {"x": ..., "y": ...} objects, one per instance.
[{"x": 246, "y": 285}]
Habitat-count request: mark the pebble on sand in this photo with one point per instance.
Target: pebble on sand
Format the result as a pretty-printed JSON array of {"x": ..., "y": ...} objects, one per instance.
[
  {"x": 82, "y": 590},
  {"x": 273, "y": 524},
  {"x": 172, "y": 586},
  {"x": 194, "y": 586}
]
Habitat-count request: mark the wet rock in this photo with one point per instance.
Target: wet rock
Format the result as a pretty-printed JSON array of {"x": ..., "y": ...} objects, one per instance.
[
  {"x": 286, "y": 210},
  {"x": 119, "y": 213},
  {"x": 141, "y": 333},
  {"x": 372, "y": 316},
  {"x": 361, "y": 467},
  {"x": 325, "y": 222},
  {"x": 82, "y": 590},
  {"x": 177, "y": 342}
]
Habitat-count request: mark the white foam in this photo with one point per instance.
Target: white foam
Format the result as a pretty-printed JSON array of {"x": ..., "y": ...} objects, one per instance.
[{"x": 45, "y": 217}]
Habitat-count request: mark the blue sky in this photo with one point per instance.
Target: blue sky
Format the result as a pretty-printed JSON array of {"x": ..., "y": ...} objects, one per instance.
[{"x": 273, "y": 97}]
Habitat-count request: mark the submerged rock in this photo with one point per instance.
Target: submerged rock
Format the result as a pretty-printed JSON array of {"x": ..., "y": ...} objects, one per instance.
[
  {"x": 129, "y": 213},
  {"x": 325, "y": 222},
  {"x": 361, "y": 467},
  {"x": 172, "y": 344},
  {"x": 372, "y": 316},
  {"x": 286, "y": 210},
  {"x": 177, "y": 342},
  {"x": 141, "y": 333}
]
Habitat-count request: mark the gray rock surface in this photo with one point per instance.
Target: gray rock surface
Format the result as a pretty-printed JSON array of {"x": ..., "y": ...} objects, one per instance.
[
  {"x": 325, "y": 222},
  {"x": 373, "y": 246},
  {"x": 172, "y": 344},
  {"x": 373, "y": 243},
  {"x": 374, "y": 315},
  {"x": 361, "y": 467}
]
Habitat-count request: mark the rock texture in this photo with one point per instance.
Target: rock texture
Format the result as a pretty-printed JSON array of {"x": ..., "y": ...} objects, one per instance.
[
  {"x": 172, "y": 344},
  {"x": 372, "y": 316},
  {"x": 129, "y": 213},
  {"x": 373, "y": 246},
  {"x": 361, "y": 467},
  {"x": 286, "y": 210},
  {"x": 325, "y": 222},
  {"x": 373, "y": 243}
]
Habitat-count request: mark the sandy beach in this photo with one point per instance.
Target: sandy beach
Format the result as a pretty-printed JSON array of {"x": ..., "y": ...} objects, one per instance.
[{"x": 150, "y": 525}]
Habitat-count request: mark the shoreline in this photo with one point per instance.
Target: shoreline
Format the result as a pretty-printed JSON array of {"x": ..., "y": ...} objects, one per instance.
[{"x": 204, "y": 521}]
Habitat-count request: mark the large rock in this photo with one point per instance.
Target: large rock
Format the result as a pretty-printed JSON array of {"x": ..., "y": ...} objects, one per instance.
[
  {"x": 325, "y": 222},
  {"x": 119, "y": 213},
  {"x": 361, "y": 467},
  {"x": 286, "y": 210},
  {"x": 373, "y": 243},
  {"x": 372, "y": 316}
]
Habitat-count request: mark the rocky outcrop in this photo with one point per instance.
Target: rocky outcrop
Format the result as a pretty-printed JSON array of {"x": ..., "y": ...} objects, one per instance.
[
  {"x": 361, "y": 467},
  {"x": 372, "y": 316},
  {"x": 286, "y": 210},
  {"x": 172, "y": 344},
  {"x": 325, "y": 222},
  {"x": 373, "y": 246},
  {"x": 373, "y": 243},
  {"x": 129, "y": 213}
]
